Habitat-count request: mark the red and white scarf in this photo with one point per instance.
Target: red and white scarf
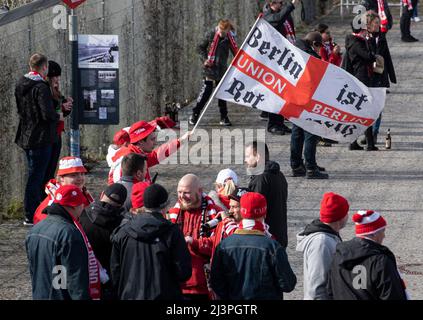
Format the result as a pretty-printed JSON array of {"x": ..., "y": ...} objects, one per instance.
[
  {"x": 408, "y": 3},
  {"x": 211, "y": 213},
  {"x": 250, "y": 224},
  {"x": 382, "y": 15},
  {"x": 94, "y": 266},
  {"x": 213, "y": 47},
  {"x": 289, "y": 32}
]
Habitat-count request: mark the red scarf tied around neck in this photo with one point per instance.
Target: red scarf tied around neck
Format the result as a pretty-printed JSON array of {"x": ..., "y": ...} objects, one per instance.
[{"x": 212, "y": 52}]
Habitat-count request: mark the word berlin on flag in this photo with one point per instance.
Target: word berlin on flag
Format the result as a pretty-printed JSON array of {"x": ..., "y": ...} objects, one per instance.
[{"x": 271, "y": 74}]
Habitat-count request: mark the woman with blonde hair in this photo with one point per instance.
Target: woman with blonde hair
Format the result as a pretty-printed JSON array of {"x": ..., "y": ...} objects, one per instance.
[{"x": 226, "y": 183}]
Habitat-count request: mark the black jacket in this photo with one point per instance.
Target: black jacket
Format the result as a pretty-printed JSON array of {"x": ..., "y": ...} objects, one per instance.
[
  {"x": 388, "y": 75},
  {"x": 99, "y": 221},
  {"x": 217, "y": 71},
  {"x": 56, "y": 241},
  {"x": 277, "y": 19},
  {"x": 273, "y": 185},
  {"x": 149, "y": 259},
  {"x": 37, "y": 116},
  {"x": 358, "y": 58},
  {"x": 306, "y": 47},
  {"x": 360, "y": 259}
]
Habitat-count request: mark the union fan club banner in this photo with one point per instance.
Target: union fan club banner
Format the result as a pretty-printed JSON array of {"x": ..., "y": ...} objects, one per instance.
[{"x": 271, "y": 74}]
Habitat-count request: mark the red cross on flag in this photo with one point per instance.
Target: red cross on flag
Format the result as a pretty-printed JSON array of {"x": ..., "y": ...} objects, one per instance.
[
  {"x": 271, "y": 74},
  {"x": 73, "y": 3}
]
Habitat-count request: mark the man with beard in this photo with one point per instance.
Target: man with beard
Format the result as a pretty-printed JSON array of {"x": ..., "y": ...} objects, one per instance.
[
  {"x": 193, "y": 209},
  {"x": 268, "y": 180}
]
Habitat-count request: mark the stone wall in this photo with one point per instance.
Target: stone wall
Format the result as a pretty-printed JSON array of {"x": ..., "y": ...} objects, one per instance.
[{"x": 158, "y": 62}]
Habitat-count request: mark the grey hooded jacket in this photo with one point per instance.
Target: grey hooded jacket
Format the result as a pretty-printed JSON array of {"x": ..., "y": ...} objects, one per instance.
[{"x": 318, "y": 244}]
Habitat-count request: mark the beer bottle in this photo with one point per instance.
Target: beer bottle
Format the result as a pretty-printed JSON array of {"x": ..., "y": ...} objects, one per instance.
[{"x": 388, "y": 141}]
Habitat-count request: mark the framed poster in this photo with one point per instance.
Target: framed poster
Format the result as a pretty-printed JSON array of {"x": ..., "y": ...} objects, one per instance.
[{"x": 98, "y": 66}]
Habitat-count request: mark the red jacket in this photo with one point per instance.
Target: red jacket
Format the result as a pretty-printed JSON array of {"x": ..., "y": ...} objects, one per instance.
[
  {"x": 51, "y": 188},
  {"x": 153, "y": 158},
  {"x": 190, "y": 224},
  {"x": 327, "y": 54},
  {"x": 208, "y": 246}
]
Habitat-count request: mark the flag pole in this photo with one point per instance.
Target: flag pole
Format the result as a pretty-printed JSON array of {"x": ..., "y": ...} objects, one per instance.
[{"x": 224, "y": 76}]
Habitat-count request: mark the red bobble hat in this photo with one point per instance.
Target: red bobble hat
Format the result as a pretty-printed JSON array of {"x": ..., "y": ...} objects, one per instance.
[
  {"x": 137, "y": 197},
  {"x": 121, "y": 137},
  {"x": 69, "y": 196},
  {"x": 68, "y": 165},
  {"x": 333, "y": 207},
  {"x": 368, "y": 222},
  {"x": 253, "y": 205},
  {"x": 141, "y": 130}
]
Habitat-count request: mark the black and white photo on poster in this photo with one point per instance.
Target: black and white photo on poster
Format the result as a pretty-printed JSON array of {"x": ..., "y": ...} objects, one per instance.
[
  {"x": 106, "y": 76},
  {"x": 90, "y": 99},
  {"x": 98, "y": 51},
  {"x": 107, "y": 94}
]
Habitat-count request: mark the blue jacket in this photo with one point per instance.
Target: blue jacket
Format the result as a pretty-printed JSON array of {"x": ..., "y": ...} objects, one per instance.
[
  {"x": 56, "y": 241},
  {"x": 250, "y": 266}
]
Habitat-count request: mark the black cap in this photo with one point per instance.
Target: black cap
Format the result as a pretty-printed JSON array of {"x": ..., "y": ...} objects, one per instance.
[
  {"x": 238, "y": 193},
  {"x": 155, "y": 197},
  {"x": 116, "y": 192},
  {"x": 54, "y": 69}
]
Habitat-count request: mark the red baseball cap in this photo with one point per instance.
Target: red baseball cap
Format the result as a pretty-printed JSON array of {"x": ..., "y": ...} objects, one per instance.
[
  {"x": 253, "y": 205},
  {"x": 69, "y": 196},
  {"x": 141, "y": 130},
  {"x": 68, "y": 165},
  {"x": 121, "y": 137}
]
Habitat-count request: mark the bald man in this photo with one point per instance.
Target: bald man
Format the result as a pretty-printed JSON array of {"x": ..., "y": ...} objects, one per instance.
[{"x": 193, "y": 209}]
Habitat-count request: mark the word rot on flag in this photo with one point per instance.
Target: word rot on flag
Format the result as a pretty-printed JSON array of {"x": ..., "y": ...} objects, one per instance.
[
  {"x": 271, "y": 74},
  {"x": 73, "y": 3}
]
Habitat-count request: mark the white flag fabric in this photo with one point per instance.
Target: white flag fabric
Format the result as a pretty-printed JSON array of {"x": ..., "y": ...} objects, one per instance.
[{"x": 271, "y": 74}]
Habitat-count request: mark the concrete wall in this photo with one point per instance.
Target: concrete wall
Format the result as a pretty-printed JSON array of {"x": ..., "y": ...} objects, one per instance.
[{"x": 158, "y": 62}]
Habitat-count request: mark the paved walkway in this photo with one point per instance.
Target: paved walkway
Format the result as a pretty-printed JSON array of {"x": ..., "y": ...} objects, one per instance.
[{"x": 388, "y": 181}]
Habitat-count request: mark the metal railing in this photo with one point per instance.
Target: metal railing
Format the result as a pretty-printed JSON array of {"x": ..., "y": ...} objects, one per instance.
[{"x": 352, "y": 3}]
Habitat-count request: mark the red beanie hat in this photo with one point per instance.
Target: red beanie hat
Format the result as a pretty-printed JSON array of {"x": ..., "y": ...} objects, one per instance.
[
  {"x": 333, "y": 207},
  {"x": 368, "y": 222},
  {"x": 69, "y": 196},
  {"x": 137, "y": 197},
  {"x": 253, "y": 205}
]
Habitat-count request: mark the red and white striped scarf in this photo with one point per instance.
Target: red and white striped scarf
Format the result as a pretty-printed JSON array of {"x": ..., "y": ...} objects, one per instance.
[
  {"x": 211, "y": 212},
  {"x": 289, "y": 32},
  {"x": 94, "y": 266},
  {"x": 408, "y": 3},
  {"x": 251, "y": 224},
  {"x": 382, "y": 15},
  {"x": 213, "y": 47}
]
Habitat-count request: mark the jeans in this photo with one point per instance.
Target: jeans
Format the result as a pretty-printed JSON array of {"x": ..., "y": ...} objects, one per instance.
[
  {"x": 416, "y": 10},
  {"x": 203, "y": 97},
  {"x": 300, "y": 139},
  {"x": 376, "y": 125},
  {"x": 54, "y": 159},
  {"x": 38, "y": 160}
]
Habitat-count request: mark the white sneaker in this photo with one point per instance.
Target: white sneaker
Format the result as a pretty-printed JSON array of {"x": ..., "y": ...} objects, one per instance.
[{"x": 417, "y": 19}]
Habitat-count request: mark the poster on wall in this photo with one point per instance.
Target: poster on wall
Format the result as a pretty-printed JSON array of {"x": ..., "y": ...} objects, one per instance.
[{"x": 98, "y": 65}]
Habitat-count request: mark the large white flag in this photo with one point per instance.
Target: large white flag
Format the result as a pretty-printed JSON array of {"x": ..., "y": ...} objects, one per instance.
[{"x": 271, "y": 74}]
